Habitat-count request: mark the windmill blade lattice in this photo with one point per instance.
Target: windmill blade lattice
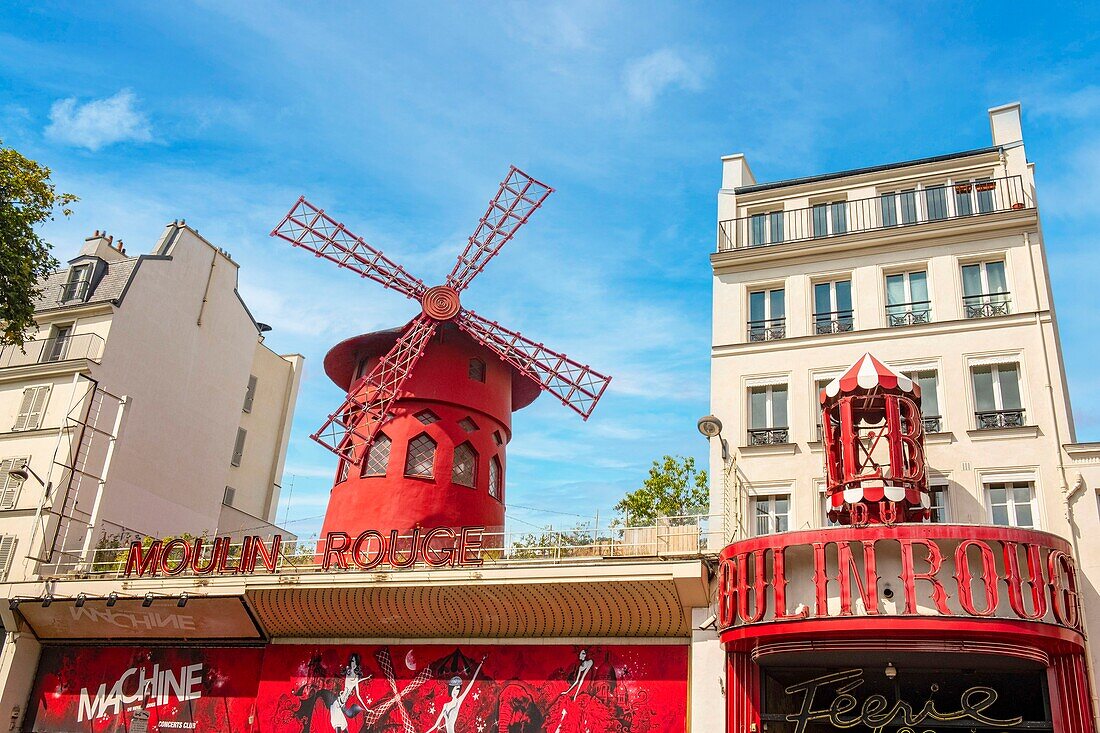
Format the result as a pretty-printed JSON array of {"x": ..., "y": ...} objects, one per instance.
[
  {"x": 308, "y": 227},
  {"x": 578, "y": 386},
  {"x": 350, "y": 430},
  {"x": 517, "y": 198}
]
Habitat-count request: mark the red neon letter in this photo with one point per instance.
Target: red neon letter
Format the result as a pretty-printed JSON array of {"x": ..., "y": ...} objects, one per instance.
[
  {"x": 964, "y": 577},
  {"x": 470, "y": 539},
  {"x": 1015, "y": 581},
  {"x": 141, "y": 563},
  {"x": 909, "y": 576},
  {"x": 334, "y": 551}
]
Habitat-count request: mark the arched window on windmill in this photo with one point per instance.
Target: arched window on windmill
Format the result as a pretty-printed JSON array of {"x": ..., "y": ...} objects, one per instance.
[
  {"x": 476, "y": 370},
  {"x": 421, "y": 457},
  {"x": 378, "y": 458},
  {"x": 464, "y": 468},
  {"x": 496, "y": 479}
]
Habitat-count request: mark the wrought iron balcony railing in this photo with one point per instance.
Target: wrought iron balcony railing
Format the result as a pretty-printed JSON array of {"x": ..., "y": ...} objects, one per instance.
[
  {"x": 769, "y": 436},
  {"x": 995, "y": 419},
  {"x": 932, "y": 423},
  {"x": 834, "y": 322},
  {"x": 909, "y": 314},
  {"x": 958, "y": 200},
  {"x": 987, "y": 305},
  {"x": 768, "y": 330},
  {"x": 64, "y": 348},
  {"x": 74, "y": 292}
]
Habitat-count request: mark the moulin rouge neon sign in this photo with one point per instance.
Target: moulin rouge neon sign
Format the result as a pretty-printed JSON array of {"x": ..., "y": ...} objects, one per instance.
[
  {"x": 942, "y": 569},
  {"x": 438, "y": 547}
]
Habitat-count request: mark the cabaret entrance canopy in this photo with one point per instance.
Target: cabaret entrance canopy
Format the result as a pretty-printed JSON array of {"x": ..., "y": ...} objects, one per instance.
[{"x": 428, "y": 409}]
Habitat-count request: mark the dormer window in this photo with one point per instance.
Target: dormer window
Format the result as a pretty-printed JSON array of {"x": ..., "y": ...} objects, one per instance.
[{"x": 76, "y": 288}]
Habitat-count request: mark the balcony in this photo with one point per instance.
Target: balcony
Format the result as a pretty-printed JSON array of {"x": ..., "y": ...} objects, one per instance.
[
  {"x": 833, "y": 322},
  {"x": 45, "y": 351},
  {"x": 909, "y": 314},
  {"x": 999, "y": 419},
  {"x": 932, "y": 423},
  {"x": 888, "y": 211},
  {"x": 768, "y": 330},
  {"x": 987, "y": 305},
  {"x": 769, "y": 436},
  {"x": 75, "y": 291}
]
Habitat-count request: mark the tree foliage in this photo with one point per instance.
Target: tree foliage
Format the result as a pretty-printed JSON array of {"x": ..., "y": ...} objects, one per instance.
[
  {"x": 673, "y": 488},
  {"x": 27, "y": 199}
]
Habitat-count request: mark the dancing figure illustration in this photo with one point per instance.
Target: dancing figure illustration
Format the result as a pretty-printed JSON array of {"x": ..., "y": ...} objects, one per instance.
[
  {"x": 448, "y": 716},
  {"x": 583, "y": 669}
]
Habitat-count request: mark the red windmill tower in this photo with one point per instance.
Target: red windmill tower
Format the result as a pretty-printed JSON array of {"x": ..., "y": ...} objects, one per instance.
[{"x": 421, "y": 436}]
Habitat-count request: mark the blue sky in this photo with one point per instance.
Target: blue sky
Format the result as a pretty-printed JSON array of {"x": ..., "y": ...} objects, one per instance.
[{"x": 401, "y": 118}]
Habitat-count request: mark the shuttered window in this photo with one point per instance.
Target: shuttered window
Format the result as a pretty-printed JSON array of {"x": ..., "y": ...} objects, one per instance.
[
  {"x": 7, "y": 553},
  {"x": 250, "y": 393},
  {"x": 238, "y": 447},
  {"x": 9, "y": 485},
  {"x": 32, "y": 408}
]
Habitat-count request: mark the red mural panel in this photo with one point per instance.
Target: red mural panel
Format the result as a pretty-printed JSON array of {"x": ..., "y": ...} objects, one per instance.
[
  {"x": 473, "y": 689},
  {"x": 133, "y": 689}
]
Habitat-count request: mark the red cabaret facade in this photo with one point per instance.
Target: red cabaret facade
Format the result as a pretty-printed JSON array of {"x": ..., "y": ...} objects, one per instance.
[{"x": 853, "y": 627}]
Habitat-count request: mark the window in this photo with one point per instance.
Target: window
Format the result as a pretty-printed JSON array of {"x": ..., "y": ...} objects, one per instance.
[
  {"x": 767, "y": 315},
  {"x": 497, "y": 438},
  {"x": 76, "y": 288},
  {"x": 32, "y": 408},
  {"x": 963, "y": 204},
  {"x": 378, "y": 457},
  {"x": 768, "y": 415},
  {"x": 831, "y": 218},
  {"x": 467, "y": 424},
  {"x": 825, "y": 521},
  {"x": 833, "y": 307},
  {"x": 773, "y": 513},
  {"x": 935, "y": 202},
  {"x": 985, "y": 290},
  {"x": 464, "y": 469},
  {"x": 229, "y": 495},
  {"x": 985, "y": 188},
  {"x": 815, "y": 404},
  {"x": 1011, "y": 504},
  {"x": 7, "y": 553},
  {"x": 997, "y": 396},
  {"x": 476, "y": 370},
  {"x": 766, "y": 228},
  {"x": 9, "y": 485},
  {"x": 419, "y": 462},
  {"x": 937, "y": 495},
  {"x": 57, "y": 344},
  {"x": 495, "y": 474},
  {"x": 249, "y": 393},
  {"x": 929, "y": 382},
  {"x": 907, "y": 302},
  {"x": 427, "y": 417},
  {"x": 238, "y": 446}
]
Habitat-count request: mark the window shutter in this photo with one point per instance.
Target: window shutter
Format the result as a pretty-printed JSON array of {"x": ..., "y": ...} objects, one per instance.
[
  {"x": 250, "y": 393},
  {"x": 7, "y": 552},
  {"x": 230, "y": 495},
  {"x": 9, "y": 485},
  {"x": 238, "y": 447},
  {"x": 32, "y": 407}
]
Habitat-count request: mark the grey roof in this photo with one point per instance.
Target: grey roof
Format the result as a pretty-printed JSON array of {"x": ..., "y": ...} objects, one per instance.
[
  {"x": 858, "y": 171},
  {"x": 109, "y": 288}
]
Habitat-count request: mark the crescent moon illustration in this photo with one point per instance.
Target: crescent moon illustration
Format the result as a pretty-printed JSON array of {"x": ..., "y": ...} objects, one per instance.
[{"x": 410, "y": 661}]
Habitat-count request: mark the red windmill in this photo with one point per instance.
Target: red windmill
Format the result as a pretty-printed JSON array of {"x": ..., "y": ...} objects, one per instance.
[{"x": 408, "y": 431}]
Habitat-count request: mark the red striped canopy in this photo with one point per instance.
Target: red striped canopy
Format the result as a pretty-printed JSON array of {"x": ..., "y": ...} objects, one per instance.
[{"x": 866, "y": 375}]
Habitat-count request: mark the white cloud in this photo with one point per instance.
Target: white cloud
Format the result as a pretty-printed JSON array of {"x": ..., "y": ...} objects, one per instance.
[
  {"x": 98, "y": 123},
  {"x": 647, "y": 77}
]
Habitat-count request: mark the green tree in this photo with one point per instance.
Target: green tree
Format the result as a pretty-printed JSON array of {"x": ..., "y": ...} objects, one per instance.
[
  {"x": 27, "y": 199},
  {"x": 673, "y": 488}
]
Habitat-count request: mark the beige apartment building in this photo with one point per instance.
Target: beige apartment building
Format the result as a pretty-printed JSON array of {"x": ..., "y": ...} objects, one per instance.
[
  {"x": 146, "y": 404},
  {"x": 935, "y": 266}
]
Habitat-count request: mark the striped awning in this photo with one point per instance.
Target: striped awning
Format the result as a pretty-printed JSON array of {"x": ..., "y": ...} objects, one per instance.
[{"x": 867, "y": 374}]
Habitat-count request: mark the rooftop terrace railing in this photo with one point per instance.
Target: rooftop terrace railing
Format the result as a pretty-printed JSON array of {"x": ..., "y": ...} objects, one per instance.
[
  {"x": 60, "y": 348},
  {"x": 682, "y": 536},
  {"x": 896, "y": 209}
]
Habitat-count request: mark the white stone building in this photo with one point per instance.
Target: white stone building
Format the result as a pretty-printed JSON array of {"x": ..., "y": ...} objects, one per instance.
[
  {"x": 938, "y": 268},
  {"x": 147, "y": 402}
]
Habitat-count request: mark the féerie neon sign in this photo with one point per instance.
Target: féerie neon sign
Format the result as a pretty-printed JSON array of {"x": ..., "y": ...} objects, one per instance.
[{"x": 875, "y": 713}]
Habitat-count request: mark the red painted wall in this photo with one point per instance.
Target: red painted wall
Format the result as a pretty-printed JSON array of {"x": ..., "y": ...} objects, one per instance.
[{"x": 297, "y": 688}]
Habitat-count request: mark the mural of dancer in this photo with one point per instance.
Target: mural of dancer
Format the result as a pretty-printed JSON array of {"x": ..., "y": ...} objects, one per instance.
[
  {"x": 448, "y": 716},
  {"x": 583, "y": 669},
  {"x": 336, "y": 702}
]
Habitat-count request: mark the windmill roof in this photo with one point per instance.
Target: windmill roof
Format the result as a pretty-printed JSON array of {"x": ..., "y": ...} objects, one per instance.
[{"x": 343, "y": 358}]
